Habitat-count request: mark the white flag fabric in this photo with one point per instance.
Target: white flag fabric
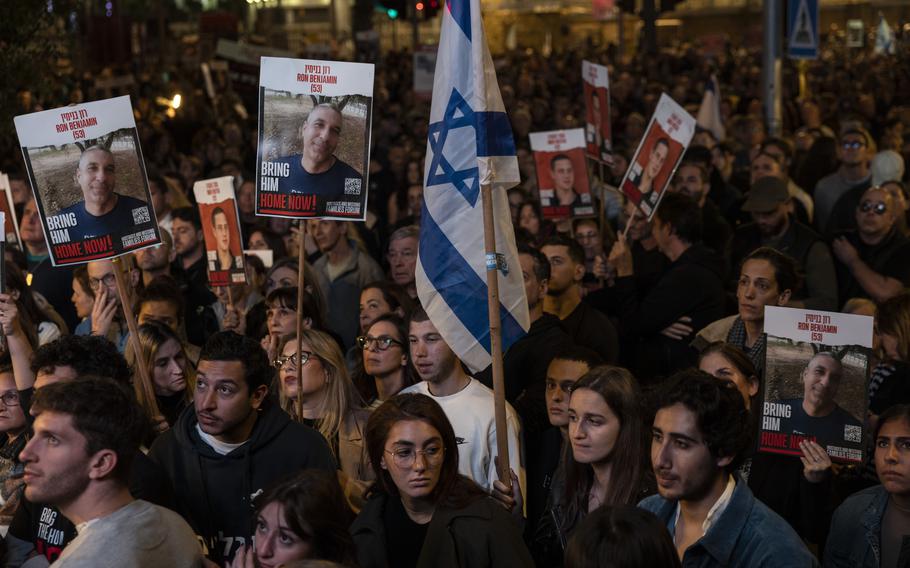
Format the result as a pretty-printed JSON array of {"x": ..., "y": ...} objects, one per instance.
[
  {"x": 884, "y": 37},
  {"x": 709, "y": 112},
  {"x": 469, "y": 144}
]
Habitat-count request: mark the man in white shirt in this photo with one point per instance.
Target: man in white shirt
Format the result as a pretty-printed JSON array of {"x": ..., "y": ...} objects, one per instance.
[
  {"x": 467, "y": 403},
  {"x": 86, "y": 433}
]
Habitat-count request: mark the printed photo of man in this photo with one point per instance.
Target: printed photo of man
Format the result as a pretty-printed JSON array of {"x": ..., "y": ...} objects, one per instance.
[
  {"x": 317, "y": 170},
  {"x": 222, "y": 230},
  {"x": 102, "y": 210}
]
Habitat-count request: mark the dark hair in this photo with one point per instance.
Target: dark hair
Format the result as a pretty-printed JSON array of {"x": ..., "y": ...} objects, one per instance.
[
  {"x": 893, "y": 318},
  {"x": 620, "y": 391},
  {"x": 156, "y": 178},
  {"x": 102, "y": 412},
  {"x": 702, "y": 170},
  {"x": 88, "y": 355},
  {"x": 621, "y": 536},
  {"x": 786, "y": 268},
  {"x": 161, "y": 289},
  {"x": 316, "y": 511},
  {"x": 216, "y": 211},
  {"x": 188, "y": 215},
  {"x": 25, "y": 303},
  {"x": 892, "y": 414},
  {"x": 452, "y": 488},
  {"x": 557, "y": 158},
  {"x": 682, "y": 213},
  {"x": 698, "y": 154},
  {"x": 393, "y": 294},
  {"x": 231, "y": 346},
  {"x": 576, "y": 252},
  {"x": 418, "y": 314},
  {"x": 541, "y": 264},
  {"x": 734, "y": 355},
  {"x": 275, "y": 242},
  {"x": 80, "y": 274},
  {"x": 718, "y": 407},
  {"x": 579, "y": 354},
  {"x": 364, "y": 383},
  {"x": 781, "y": 143},
  {"x": 287, "y": 298}
]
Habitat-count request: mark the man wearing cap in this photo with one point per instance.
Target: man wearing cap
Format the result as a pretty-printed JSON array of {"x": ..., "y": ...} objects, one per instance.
[
  {"x": 854, "y": 150},
  {"x": 774, "y": 225},
  {"x": 873, "y": 260}
]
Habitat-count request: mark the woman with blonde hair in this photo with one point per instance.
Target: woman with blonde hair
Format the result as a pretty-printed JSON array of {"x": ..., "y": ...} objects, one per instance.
[
  {"x": 326, "y": 400},
  {"x": 173, "y": 377}
]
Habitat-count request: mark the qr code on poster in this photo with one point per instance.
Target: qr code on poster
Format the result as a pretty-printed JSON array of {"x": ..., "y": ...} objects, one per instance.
[
  {"x": 141, "y": 215},
  {"x": 352, "y": 186},
  {"x": 853, "y": 433}
]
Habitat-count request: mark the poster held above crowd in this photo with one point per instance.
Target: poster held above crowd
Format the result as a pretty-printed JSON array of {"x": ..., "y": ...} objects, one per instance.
[
  {"x": 314, "y": 138},
  {"x": 562, "y": 174},
  {"x": 10, "y": 225},
  {"x": 221, "y": 229},
  {"x": 661, "y": 149},
  {"x": 815, "y": 382},
  {"x": 87, "y": 171},
  {"x": 598, "y": 136}
]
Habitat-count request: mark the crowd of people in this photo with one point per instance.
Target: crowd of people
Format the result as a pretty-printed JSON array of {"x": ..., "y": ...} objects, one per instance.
[{"x": 633, "y": 399}]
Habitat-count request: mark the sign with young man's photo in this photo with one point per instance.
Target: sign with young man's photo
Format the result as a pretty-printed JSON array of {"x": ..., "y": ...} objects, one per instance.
[{"x": 221, "y": 230}]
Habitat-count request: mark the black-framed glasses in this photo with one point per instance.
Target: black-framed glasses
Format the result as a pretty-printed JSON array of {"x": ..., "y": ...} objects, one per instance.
[
  {"x": 854, "y": 145},
  {"x": 108, "y": 280},
  {"x": 877, "y": 207},
  {"x": 382, "y": 342},
  {"x": 405, "y": 457},
  {"x": 293, "y": 359},
  {"x": 10, "y": 398}
]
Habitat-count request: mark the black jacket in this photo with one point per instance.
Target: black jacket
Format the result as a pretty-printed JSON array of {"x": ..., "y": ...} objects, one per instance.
[
  {"x": 214, "y": 492},
  {"x": 693, "y": 287},
  {"x": 480, "y": 535}
]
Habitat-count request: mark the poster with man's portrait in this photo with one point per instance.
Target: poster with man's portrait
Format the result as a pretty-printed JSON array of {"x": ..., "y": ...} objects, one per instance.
[
  {"x": 221, "y": 229},
  {"x": 598, "y": 137},
  {"x": 87, "y": 171},
  {"x": 562, "y": 175},
  {"x": 659, "y": 153},
  {"x": 314, "y": 138},
  {"x": 815, "y": 382},
  {"x": 10, "y": 225}
]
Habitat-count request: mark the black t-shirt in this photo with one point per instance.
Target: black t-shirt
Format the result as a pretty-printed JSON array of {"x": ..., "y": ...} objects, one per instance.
[
  {"x": 404, "y": 537},
  {"x": 838, "y": 432}
]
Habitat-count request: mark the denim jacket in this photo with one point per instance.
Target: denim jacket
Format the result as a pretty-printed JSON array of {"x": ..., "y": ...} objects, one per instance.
[
  {"x": 747, "y": 534},
  {"x": 856, "y": 531}
]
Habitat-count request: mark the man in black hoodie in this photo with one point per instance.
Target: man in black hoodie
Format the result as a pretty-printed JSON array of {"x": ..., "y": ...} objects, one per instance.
[
  {"x": 692, "y": 287},
  {"x": 232, "y": 444}
]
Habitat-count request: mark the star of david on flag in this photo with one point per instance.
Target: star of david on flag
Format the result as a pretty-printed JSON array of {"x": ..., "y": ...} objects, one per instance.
[{"x": 469, "y": 144}]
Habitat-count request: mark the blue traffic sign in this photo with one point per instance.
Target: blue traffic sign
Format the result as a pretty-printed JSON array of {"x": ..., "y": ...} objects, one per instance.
[{"x": 802, "y": 29}]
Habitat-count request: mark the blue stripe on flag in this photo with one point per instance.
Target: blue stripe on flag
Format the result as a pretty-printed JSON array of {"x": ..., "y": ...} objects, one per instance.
[
  {"x": 494, "y": 134},
  {"x": 461, "y": 13},
  {"x": 462, "y": 289}
]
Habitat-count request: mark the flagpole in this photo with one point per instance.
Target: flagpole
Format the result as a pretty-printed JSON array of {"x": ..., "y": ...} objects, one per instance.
[
  {"x": 499, "y": 399},
  {"x": 301, "y": 284}
]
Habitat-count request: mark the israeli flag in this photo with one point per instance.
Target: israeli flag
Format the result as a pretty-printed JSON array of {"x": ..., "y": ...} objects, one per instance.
[
  {"x": 884, "y": 37},
  {"x": 469, "y": 144},
  {"x": 709, "y": 112}
]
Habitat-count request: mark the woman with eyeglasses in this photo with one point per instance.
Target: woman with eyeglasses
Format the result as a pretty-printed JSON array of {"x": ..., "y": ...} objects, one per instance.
[
  {"x": 386, "y": 368},
  {"x": 327, "y": 402},
  {"x": 302, "y": 517},
  {"x": 13, "y": 436},
  {"x": 421, "y": 512}
]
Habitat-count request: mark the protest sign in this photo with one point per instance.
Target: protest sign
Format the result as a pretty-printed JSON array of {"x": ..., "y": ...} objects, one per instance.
[
  {"x": 659, "y": 153},
  {"x": 562, "y": 176},
  {"x": 10, "y": 225},
  {"x": 87, "y": 171},
  {"x": 598, "y": 136},
  {"x": 815, "y": 382},
  {"x": 221, "y": 229},
  {"x": 314, "y": 138}
]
